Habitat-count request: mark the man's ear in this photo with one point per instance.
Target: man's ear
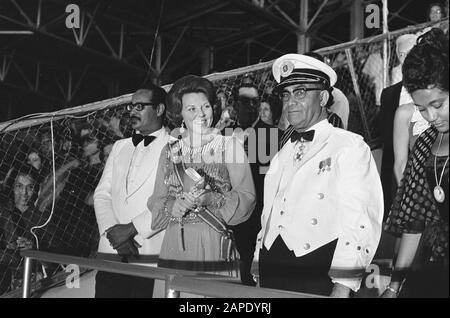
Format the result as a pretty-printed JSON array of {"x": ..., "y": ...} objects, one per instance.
[
  {"x": 160, "y": 110},
  {"x": 324, "y": 96}
]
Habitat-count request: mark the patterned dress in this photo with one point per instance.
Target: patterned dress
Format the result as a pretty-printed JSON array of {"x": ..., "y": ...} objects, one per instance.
[
  {"x": 415, "y": 210},
  {"x": 190, "y": 243}
]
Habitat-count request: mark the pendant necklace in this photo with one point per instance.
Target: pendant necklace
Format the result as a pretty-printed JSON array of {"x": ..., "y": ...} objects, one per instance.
[{"x": 438, "y": 192}]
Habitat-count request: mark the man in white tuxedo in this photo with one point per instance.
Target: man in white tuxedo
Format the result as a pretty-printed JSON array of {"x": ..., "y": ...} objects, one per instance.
[
  {"x": 323, "y": 203},
  {"x": 121, "y": 196}
]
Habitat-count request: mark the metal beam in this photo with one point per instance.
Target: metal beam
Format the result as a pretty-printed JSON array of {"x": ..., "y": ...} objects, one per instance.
[
  {"x": 22, "y": 12},
  {"x": 284, "y": 14},
  {"x": 7, "y": 60},
  {"x": 16, "y": 32},
  {"x": 92, "y": 52},
  {"x": 302, "y": 40},
  {"x": 236, "y": 38},
  {"x": 318, "y": 11},
  {"x": 192, "y": 14},
  {"x": 403, "y": 7},
  {"x": 345, "y": 5},
  {"x": 28, "y": 91},
  {"x": 404, "y": 19},
  {"x": 174, "y": 47},
  {"x": 23, "y": 75},
  {"x": 265, "y": 15},
  {"x": 357, "y": 20},
  {"x": 270, "y": 48},
  {"x": 275, "y": 46}
]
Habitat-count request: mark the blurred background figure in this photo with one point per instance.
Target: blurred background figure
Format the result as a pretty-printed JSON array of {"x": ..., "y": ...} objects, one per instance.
[
  {"x": 228, "y": 115},
  {"x": 270, "y": 110},
  {"x": 17, "y": 216},
  {"x": 403, "y": 45},
  {"x": 34, "y": 160},
  {"x": 258, "y": 137},
  {"x": 436, "y": 12}
]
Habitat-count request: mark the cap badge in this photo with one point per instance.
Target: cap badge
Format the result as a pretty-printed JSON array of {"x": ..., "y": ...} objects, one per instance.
[{"x": 286, "y": 68}]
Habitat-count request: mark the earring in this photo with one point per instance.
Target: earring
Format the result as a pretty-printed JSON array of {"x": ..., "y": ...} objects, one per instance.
[{"x": 182, "y": 128}]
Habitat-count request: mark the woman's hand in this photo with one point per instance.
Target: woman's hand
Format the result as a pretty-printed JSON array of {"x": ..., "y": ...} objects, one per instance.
[
  {"x": 24, "y": 243},
  {"x": 205, "y": 199},
  {"x": 389, "y": 293},
  {"x": 183, "y": 204}
]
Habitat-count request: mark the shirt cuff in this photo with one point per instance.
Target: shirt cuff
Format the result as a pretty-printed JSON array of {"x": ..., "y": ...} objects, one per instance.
[
  {"x": 353, "y": 284},
  {"x": 143, "y": 224}
]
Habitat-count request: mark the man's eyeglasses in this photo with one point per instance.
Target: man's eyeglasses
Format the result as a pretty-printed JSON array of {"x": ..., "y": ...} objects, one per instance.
[
  {"x": 138, "y": 106},
  {"x": 251, "y": 101},
  {"x": 298, "y": 93}
]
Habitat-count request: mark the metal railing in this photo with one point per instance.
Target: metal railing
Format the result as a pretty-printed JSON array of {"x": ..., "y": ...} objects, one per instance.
[{"x": 176, "y": 281}]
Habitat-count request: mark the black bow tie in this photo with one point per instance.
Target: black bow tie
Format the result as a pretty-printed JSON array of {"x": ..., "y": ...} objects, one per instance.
[
  {"x": 302, "y": 136},
  {"x": 137, "y": 138}
]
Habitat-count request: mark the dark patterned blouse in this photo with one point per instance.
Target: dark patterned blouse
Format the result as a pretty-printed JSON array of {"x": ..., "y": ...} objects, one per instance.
[{"x": 415, "y": 210}]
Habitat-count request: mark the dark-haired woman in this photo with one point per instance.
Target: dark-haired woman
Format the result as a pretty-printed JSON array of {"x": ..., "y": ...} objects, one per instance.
[
  {"x": 419, "y": 214},
  {"x": 203, "y": 184},
  {"x": 435, "y": 12}
]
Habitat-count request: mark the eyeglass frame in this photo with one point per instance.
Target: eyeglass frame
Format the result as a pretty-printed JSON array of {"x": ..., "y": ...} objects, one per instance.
[
  {"x": 304, "y": 89},
  {"x": 138, "y": 106},
  {"x": 252, "y": 101}
]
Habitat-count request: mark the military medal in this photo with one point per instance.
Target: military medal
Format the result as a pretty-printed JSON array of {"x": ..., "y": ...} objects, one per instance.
[
  {"x": 438, "y": 192},
  {"x": 300, "y": 152},
  {"x": 324, "y": 165}
]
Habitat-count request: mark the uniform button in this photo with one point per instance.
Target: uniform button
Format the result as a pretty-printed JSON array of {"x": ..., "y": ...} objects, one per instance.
[
  {"x": 320, "y": 196},
  {"x": 358, "y": 248},
  {"x": 281, "y": 212},
  {"x": 367, "y": 251},
  {"x": 314, "y": 221},
  {"x": 306, "y": 246},
  {"x": 361, "y": 226},
  {"x": 347, "y": 243},
  {"x": 280, "y": 227}
]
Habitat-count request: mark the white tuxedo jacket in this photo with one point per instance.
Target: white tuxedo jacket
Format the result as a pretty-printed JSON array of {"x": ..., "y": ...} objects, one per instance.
[
  {"x": 344, "y": 203},
  {"x": 115, "y": 204}
]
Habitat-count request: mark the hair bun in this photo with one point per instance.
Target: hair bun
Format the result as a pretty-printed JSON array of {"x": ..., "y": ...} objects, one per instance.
[{"x": 435, "y": 38}]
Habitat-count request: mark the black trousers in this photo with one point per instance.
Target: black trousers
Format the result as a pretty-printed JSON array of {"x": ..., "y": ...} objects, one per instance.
[
  {"x": 111, "y": 285},
  {"x": 279, "y": 268},
  {"x": 245, "y": 238}
]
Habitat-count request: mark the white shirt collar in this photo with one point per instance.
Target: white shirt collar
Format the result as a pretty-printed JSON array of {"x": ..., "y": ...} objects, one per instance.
[
  {"x": 320, "y": 125},
  {"x": 155, "y": 133}
]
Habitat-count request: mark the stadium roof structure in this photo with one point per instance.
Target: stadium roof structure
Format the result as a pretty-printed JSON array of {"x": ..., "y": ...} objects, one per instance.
[{"x": 44, "y": 65}]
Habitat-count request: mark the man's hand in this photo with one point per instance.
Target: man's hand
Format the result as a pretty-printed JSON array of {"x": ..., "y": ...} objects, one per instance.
[
  {"x": 128, "y": 248},
  {"x": 254, "y": 271},
  {"x": 340, "y": 291},
  {"x": 120, "y": 233}
]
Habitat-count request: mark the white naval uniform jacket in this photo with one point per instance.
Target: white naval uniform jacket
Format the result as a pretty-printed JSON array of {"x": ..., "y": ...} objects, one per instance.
[
  {"x": 310, "y": 207},
  {"x": 118, "y": 201}
]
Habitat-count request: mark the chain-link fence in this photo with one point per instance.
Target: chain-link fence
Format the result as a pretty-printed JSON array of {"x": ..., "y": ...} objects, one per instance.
[
  {"x": 50, "y": 164},
  {"x": 364, "y": 68}
]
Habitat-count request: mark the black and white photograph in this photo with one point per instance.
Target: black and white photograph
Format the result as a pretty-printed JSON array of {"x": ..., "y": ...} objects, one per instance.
[{"x": 242, "y": 150}]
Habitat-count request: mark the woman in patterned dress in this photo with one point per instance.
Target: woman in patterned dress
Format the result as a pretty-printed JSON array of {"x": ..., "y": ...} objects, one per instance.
[
  {"x": 203, "y": 183},
  {"x": 419, "y": 214}
]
